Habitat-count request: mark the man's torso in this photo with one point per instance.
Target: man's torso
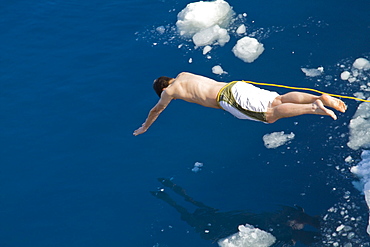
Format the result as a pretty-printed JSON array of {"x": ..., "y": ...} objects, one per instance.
[{"x": 195, "y": 89}]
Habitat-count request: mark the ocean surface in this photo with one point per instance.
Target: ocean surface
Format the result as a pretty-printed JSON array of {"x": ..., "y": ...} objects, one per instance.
[{"x": 76, "y": 81}]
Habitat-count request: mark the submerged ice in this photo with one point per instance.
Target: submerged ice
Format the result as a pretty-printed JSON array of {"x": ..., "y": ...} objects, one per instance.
[{"x": 277, "y": 139}]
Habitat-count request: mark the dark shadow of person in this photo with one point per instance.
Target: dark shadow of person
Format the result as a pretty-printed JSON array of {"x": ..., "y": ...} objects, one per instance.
[{"x": 286, "y": 224}]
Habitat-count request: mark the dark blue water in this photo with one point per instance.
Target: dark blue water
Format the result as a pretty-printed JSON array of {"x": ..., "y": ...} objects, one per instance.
[{"x": 76, "y": 82}]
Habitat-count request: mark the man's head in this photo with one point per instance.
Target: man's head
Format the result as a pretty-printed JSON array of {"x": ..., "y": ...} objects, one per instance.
[{"x": 161, "y": 83}]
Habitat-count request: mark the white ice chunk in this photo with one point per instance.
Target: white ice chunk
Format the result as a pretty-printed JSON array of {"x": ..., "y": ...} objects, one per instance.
[
  {"x": 241, "y": 29},
  {"x": 248, "y": 236},
  {"x": 340, "y": 228},
  {"x": 362, "y": 171},
  {"x": 359, "y": 128},
  {"x": 277, "y": 139},
  {"x": 206, "y": 49},
  {"x": 313, "y": 72},
  {"x": 345, "y": 75},
  {"x": 361, "y": 64},
  {"x": 349, "y": 159},
  {"x": 203, "y": 14},
  {"x": 218, "y": 70},
  {"x": 210, "y": 35},
  {"x": 367, "y": 198},
  {"x": 248, "y": 49}
]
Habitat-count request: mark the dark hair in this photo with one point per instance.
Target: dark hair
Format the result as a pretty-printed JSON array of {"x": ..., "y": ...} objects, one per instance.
[{"x": 161, "y": 83}]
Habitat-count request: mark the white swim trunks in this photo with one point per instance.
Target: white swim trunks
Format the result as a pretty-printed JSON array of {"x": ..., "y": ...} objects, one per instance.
[{"x": 245, "y": 101}]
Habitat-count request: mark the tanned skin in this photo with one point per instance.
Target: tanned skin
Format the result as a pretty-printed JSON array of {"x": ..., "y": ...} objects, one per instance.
[{"x": 203, "y": 91}]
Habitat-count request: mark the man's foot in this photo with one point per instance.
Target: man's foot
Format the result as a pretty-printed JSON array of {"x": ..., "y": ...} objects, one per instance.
[
  {"x": 320, "y": 109},
  {"x": 332, "y": 102}
]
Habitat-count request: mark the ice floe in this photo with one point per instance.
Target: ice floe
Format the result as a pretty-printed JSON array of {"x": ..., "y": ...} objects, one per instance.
[
  {"x": 359, "y": 128},
  {"x": 362, "y": 171},
  {"x": 248, "y": 49},
  {"x": 356, "y": 72},
  {"x": 313, "y": 72},
  {"x": 208, "y": 23},
  {"x": 204, "y": 15},
  {"x": 248, "y": 236},
  {"x": 218, "y": 70}
]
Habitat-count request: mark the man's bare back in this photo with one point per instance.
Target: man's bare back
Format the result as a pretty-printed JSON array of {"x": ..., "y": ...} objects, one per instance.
[
  {"x": 204, "y": 91},
  {"x": 195, "y": 89}
]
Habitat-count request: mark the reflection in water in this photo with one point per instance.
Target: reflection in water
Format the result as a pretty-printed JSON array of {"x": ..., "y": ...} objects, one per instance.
[{"x": 286, "y": 225}]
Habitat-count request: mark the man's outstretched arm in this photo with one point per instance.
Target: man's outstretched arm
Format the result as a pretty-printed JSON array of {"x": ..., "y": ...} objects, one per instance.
[{"x": 154, "y": 113}]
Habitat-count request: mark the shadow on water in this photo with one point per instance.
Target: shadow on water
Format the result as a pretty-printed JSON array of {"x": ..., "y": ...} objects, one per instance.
[{"x": 286, "y": 224}]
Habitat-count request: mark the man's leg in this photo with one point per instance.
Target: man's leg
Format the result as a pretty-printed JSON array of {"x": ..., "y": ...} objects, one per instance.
[
  {"x": 285, "y": 110},
  {"x": 297, "y": 98},
  {"x": 305, "y": 98}
]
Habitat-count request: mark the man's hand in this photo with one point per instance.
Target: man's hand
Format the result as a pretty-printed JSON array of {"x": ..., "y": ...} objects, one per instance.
[
  {"x": 140, "y": 130},
  {"x": 154, "y": 113}
]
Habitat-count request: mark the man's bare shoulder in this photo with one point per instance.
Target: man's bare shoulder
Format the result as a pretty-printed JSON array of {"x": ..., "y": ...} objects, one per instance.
[{"x": 190, "y": 77}]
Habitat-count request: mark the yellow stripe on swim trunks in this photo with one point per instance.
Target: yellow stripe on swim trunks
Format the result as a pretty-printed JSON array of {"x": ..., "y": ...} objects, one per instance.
[{"x": 305, "y": 89}]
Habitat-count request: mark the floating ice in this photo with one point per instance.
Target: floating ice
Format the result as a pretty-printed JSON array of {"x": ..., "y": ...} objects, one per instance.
[
  {"x": 197, "y": 167},
  {"x": 359, "y": 128},
  {"x": 248, "y": 236},
  {"x": 340, "y": 228},
  {"x": 218, "y": 70},
  {"x": 201, "y": 15},
  {"x": 345, "y": 75},
  {"x": 248, "y": 49},
  {"x": 211, "y": 35},
  {"x": 206, "y": 49},
  {"x": 349, "y": 159},
  {"x": 362, "y": 171},
  {"x": 313, "y": 72},
  {"x": 241, "y": 29},
  {"x": 361, "y": 64},
  {"x": 277, "y": 139},
  {"x": 357, "y": 72}
]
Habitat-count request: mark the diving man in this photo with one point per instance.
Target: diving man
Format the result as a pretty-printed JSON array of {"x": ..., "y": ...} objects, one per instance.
[{"x": 241, "y": 99}]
